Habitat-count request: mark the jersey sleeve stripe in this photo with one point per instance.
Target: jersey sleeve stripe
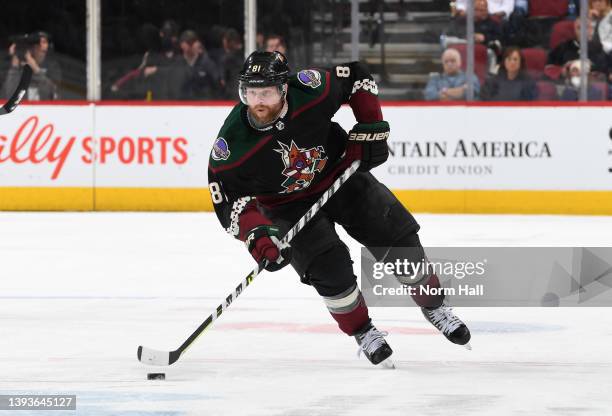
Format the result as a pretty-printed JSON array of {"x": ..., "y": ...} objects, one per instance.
[{"x": 244, "y": 157}]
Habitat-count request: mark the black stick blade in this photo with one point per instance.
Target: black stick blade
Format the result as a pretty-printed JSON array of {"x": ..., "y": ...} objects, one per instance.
[{"x": 22, "y": 88}]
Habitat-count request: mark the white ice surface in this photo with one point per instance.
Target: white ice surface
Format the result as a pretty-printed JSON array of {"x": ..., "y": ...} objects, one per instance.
[{"x": 79, "y": 292}]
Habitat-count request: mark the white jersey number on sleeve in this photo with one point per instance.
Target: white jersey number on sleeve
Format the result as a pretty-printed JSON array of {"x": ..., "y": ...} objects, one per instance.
[
  {"x": 343, "y": 71},
  {"x": 215, "y": 193}
]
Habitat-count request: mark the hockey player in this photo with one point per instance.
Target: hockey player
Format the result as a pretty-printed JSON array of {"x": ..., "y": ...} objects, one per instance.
[{"x": 278, "y": 151}]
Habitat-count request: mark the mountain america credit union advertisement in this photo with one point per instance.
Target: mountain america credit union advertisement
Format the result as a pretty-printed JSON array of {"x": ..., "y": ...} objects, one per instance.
[{"x": 498, "y": 148}]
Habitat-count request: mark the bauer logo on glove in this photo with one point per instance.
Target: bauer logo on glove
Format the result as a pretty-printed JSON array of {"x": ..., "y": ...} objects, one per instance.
[
  {"x": 368, "y": 143},
  {"x": 368, "y": 137}
]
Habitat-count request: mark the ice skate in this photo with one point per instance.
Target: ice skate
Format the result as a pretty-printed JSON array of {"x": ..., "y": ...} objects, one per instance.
[
  {"x": 373, "y": 345},
  {"x": 450, "y": 325}
]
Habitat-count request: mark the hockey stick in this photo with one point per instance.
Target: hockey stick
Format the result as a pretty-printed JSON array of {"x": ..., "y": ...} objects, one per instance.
[
  {"x": 156, "y": 357},
  {"x": 22, "y": 88}
]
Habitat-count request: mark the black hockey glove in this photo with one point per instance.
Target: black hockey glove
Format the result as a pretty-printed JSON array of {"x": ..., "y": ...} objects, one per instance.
[
  {"x": 263, "y": 242},
  {"x": 368, "y": 143}
]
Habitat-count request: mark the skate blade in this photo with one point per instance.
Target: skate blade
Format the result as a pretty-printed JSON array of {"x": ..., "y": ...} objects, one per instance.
[
  {"x": 387, "y": 364},
  {"x": 467, "y": 346}
]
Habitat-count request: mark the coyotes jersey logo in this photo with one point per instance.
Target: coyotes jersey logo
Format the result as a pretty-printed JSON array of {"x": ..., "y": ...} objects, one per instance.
[{"x": 301, "y": 165}]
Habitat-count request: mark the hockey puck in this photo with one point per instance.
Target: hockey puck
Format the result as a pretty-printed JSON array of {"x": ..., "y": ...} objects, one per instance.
[{"x": 156, "y": 376}]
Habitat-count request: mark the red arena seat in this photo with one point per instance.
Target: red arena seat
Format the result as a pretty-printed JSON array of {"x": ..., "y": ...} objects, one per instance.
[
  {"x": 547, "y": 8},
  {"x": 561, "y": 32},
  {"x": 553, "y": 71},
  {"x": 601, "y": 87},
  {"x": 535, "y": 61},
  {"x": 547, "y": 91}
]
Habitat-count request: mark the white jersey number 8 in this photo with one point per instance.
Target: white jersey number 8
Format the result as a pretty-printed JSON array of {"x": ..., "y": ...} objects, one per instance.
[
  {"x": 343, "y": 71},
  {"x": 215, "y": 193}
]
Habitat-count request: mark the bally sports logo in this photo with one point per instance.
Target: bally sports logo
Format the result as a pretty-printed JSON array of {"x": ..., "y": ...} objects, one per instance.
[{"x": 36, "y": 142}]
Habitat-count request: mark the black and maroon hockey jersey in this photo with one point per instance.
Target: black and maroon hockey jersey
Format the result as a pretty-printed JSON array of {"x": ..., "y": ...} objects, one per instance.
[{"x": 298, "y": 156}]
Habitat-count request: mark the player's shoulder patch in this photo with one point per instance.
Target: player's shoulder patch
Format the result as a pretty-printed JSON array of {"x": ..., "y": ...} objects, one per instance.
[
  {"x": 309, "y": 77},
  {"x": 310, "y": 81},
  {"x": 220, "y": 150}
]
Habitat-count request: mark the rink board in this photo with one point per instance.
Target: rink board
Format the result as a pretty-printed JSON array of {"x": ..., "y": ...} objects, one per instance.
[
  {"x": 434, "y": 201},
  {"x": 459, "y": 158}
]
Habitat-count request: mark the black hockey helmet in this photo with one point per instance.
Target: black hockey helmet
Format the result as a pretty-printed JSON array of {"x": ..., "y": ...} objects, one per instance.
[{"x": 264, "y": 69}]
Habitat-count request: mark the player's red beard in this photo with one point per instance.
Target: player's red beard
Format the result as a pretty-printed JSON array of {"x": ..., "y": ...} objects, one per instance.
[{"x": 265, "y": 114}]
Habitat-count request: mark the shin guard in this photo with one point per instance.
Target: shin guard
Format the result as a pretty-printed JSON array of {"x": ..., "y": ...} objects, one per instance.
[{"x": 348, "y": 309}]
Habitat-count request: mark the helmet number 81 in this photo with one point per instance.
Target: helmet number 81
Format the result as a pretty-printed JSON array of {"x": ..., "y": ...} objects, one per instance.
[
  {"x": 255, "y": 68},
  {"x": 343, "y": 71}
]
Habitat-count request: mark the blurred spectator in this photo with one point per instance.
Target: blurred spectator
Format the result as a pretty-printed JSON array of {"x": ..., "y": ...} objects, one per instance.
[
  {"x": 231, "y": 62},
  {"x": 571, "y": 91},
  {"x": 512, "y": 83},
  {"x": 158, "y": 69},
  {"x": 169, "y": 37},
  {"x": 154, "y": 76},
  {"x": 601, "y": 14},
  {"x": 486, "y": 30},
  {"x": 131, "y": 85},
  {"x": 169, "y": 49},
  {"x": 260, "y": 42},
  {"x": 452, "y": 84},
  {"x": 214, "y": 43},
  {"x": 570, "y": 50},
  {"x": 531, "y": 23},
  {"x": 276, "y": 43},
  {"x": 500, "y": 9},
  {"x": 33, "y": 49},
  {"x": 598, "y": 9},
  {"x": 521, "y": 6},
  {"x": 195, "y": 75}
]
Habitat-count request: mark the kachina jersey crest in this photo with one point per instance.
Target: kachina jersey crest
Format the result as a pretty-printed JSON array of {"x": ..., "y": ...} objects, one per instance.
[{"x": 301, "y": 165}]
